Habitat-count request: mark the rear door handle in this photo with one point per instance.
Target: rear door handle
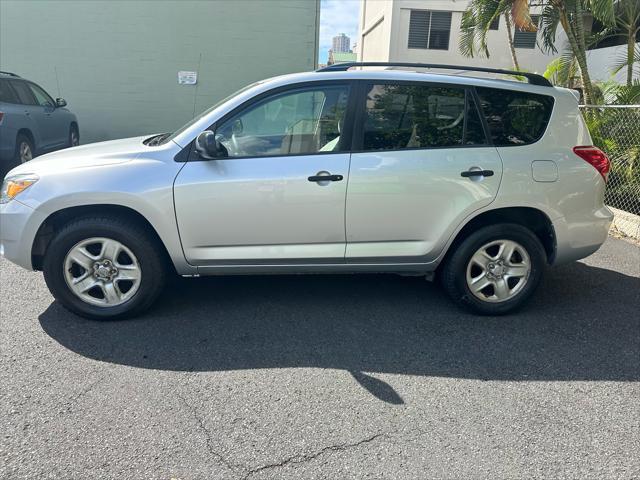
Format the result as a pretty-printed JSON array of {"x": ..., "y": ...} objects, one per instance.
[
  {"x": 325, "y": 178},
  {"x": 477, "y": 173}
]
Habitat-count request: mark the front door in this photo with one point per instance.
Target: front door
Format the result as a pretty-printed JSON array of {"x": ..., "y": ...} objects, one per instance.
[
  {"x": 423, "y": 164},
  {"x": 53, "y": 124},
  {"x": 277, "y": 195}
]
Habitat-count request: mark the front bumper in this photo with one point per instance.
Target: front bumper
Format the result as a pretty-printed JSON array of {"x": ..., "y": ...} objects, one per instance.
[{"x": 18, "y": 227}]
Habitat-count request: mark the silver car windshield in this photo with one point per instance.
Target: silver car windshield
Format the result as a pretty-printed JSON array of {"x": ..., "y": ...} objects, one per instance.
[{"x": 205, "y": 113}]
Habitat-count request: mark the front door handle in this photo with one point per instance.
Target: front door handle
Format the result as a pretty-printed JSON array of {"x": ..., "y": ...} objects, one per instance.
[
  {"x": 325, "y": 178},
  {"x": 477, "y": 173}
]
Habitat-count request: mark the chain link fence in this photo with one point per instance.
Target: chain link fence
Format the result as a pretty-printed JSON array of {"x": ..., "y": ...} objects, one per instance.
[{"x": 616, "y": 130}]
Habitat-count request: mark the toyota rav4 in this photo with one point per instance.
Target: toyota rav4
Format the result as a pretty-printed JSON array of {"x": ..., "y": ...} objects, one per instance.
[{"x": 479, "y": 182}]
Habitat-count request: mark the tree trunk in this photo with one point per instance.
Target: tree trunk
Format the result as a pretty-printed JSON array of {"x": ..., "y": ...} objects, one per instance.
[
  {"x": 514, "y": 58},
  {"x": 577, "y": 42},
  {"x": 631, "y": 43}
]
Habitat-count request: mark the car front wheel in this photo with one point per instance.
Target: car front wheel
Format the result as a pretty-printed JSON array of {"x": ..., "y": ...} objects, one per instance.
[
  {"x": 495, "y": 269},
  {"x": 104, "y": 268}
]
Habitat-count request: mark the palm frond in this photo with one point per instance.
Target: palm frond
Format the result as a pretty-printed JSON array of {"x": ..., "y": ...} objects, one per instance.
[
  {"x": 602, "y": 10},
  {"x": 549, "y": 26},
  {"x": 623, "y": 60}
]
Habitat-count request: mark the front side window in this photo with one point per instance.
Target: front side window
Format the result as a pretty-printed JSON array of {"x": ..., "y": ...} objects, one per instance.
[
  {"x": 42, "y": 97},
  {"x": 298, "y": 122},
  {"x": 515, "y": 118},
  {"x": 429, "y": 29},
  {"x": 25, "y": 96},
  {"x": 420, "y": 116}
]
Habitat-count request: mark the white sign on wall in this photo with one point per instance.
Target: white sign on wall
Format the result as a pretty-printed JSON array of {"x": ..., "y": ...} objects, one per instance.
[{"x": 187, "y": 78}]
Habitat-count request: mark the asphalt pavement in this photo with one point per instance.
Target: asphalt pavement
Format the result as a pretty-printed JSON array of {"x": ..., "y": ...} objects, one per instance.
[{"x": 304, "y": 377}]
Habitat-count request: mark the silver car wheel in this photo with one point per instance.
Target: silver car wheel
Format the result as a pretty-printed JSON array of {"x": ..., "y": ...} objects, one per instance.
[
  {"x": 498, "y": 271},
  {"x": 102, "y": 271},
  {"x": 75, "y": 140},
  {"x": 25, "y": 152}
]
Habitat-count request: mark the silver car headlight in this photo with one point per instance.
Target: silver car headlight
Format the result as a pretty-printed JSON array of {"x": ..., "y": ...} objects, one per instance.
[{"x": 15, "y": 184}]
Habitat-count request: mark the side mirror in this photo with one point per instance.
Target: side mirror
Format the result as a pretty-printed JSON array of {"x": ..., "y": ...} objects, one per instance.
[
  {"x": 208, "y": 146},
  {"x": 61, "y": 102}
]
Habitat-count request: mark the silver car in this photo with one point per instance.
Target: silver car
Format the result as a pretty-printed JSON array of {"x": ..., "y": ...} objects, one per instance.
[{"x": 480, "y": 182}]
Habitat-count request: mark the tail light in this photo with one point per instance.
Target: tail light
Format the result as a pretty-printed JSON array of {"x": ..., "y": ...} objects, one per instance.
[
  {"x": 1, "y": 116},
  {"x": 595, "y": 157}
]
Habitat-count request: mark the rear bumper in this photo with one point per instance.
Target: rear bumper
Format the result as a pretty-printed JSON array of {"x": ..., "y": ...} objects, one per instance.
[
  {"x": 18, "y": 227},
  {"x": 578, "y": 238}
]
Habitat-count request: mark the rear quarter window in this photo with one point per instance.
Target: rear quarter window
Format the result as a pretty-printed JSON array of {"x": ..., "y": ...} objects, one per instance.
[{"x": 515, "y": 118}]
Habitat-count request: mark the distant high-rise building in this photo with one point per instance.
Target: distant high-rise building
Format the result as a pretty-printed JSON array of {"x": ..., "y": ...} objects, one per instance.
[{"x": 341, "y": 43}]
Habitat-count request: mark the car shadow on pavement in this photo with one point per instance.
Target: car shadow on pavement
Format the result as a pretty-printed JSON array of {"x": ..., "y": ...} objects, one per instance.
[{"x": 583, "y": 324}]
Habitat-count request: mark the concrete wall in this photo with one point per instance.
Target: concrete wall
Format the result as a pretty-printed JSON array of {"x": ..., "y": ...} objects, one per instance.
[
  {"x": 396, "y": 23},
  {"x": 116, "y": 62},
  {"x": 603, "y": 60}
]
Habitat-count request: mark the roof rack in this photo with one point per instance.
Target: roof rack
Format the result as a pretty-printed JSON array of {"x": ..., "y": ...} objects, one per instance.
[
  {"x": 9, "y": 74},
  {"x": 534, "y": 78}
]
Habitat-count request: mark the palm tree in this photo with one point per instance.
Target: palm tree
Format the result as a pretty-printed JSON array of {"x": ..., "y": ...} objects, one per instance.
[
  {"x": 477, "y": 19},
  {"x": 628, "y": 21},
  {"x": 571, "y": 15}
]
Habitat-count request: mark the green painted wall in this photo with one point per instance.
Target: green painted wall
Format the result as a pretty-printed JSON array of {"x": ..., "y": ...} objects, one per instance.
[{"x": 116, "y": 62}]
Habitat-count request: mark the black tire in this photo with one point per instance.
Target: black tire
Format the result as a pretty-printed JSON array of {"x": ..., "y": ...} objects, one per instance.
[
  {"x": 144, "y": 246},
  {"x": 74, "y": 136},
  {"x": 22, "y": 140},
  {"x": 454, "y": 273}
]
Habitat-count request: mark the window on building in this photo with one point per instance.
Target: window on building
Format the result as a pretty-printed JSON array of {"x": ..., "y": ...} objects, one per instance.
[
  {"x": 495, "y": 24},
  {"x": 297, "y": 122},
  {"x": 429, "y": 29},
  {"x": 515, "y": 118},
  {"x": 419, "y": 116},
  {"x": 522, "y": 39}
]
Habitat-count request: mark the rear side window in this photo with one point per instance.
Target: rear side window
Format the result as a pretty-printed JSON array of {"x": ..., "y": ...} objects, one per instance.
[
  {"x": 24, "y": 94},
  {"x": 420, "y": 116},
  {"x": 515, "y": 118},
  {"x": 6, "y": 94}
]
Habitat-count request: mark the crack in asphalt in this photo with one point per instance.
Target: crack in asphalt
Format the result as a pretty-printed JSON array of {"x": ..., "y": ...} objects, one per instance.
[
  {"x": 303, "y": 458},
  {"x": 73, "y": 400},
  {"x": 291, "y": 460},
  {"x": 234, "y": 467}
]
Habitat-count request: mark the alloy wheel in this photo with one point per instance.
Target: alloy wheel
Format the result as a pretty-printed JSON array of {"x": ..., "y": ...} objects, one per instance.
[
  {"x": 25, "y": 152},
  {"x": 498, "y": 271},
  {"x": 102, "y": 271}
]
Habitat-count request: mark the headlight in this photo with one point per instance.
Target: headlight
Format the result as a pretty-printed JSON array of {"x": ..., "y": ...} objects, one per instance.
[{"x": 15, "y": 184}]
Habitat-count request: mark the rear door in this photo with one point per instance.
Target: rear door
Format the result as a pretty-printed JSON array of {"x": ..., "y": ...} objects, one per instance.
[{"x": 422, "y": 162}]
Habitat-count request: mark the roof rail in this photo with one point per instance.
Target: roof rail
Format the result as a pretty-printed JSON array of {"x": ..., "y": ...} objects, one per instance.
[
  {"x": 534, "y": 78},
  {"x": 9, "y": 74}
]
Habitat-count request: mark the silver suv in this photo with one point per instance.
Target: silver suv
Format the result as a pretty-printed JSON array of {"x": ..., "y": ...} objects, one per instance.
[{"x": 480, "y": 182}]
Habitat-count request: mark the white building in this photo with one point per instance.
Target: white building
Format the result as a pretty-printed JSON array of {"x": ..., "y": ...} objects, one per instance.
[
  {"x": 341, "y": 43},
  {"x": 428, "y": 31}
]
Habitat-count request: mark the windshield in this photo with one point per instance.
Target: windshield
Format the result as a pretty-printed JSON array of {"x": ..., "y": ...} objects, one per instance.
[{"x": 170, "y": 136}]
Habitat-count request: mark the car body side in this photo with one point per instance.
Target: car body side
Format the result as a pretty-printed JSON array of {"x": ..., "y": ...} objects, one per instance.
[
  {"x": 17, "y": 122},
  {"x": 572, "y": 204}
]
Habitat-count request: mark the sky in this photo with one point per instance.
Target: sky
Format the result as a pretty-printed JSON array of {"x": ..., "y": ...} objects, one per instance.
[{"x": 337, "y": 16}]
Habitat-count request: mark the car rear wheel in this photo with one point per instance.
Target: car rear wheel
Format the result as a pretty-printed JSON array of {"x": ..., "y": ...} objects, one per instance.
[
  {"x": 24, "y": 149},
  {"x": 104, "y": 268},
  {"x": 495, "y": 270}
]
